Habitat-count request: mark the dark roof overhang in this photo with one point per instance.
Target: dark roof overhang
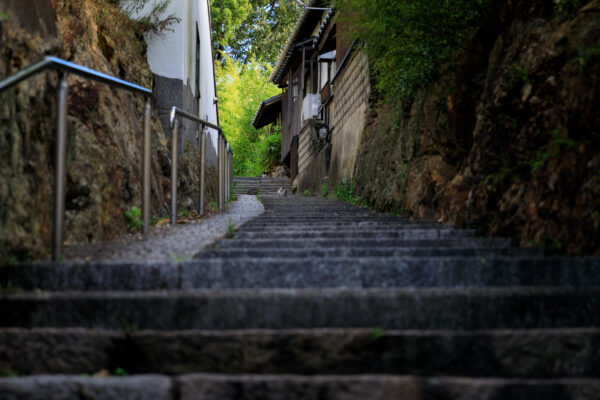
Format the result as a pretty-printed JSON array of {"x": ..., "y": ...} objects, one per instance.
[{"x": 268, "y": 111}]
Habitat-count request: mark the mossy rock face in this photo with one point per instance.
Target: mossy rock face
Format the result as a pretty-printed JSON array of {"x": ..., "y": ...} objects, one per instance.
[
  {"x": 509, "y": 143},
  {"x": 104, "y": 132}
]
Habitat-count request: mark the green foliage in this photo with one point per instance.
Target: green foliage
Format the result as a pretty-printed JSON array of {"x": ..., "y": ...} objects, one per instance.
[
  {"x": 324, "y": 190},
  {"x": 560, "y": 142},
  {"x": 213, "y": 206},
  {"x": 120, "y": 372},
  {"x": 519, "y": 74},
  {"x": 184, "y": 213},
  {"x": 586, "y": 54},
  {"x": 410, "y": 43},
  {"x": 128, "y": 328},
  {"x": 133, "y": 219},
  {"x": 231, "y": 230},
  {"x": 179, "y": 259},
  {"x": 377, "y": 333},
  {"x": 252, "y": 29},
  {"x": 568, "y": 8},
  {"x": 241, "y": 89},
  {"x": 345, "y": 191},
  {"x": 307, "y": 192},
  {"x": 3, "y": 16}
]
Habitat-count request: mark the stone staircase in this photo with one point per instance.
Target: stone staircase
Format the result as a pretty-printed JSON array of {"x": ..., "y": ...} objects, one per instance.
[
  {"x": 261, "y": 186},
  {"x": 314, "y": 299}
]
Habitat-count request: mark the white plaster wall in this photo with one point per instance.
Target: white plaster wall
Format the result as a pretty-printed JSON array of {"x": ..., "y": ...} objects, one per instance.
[{"x": 173, "y": 54}]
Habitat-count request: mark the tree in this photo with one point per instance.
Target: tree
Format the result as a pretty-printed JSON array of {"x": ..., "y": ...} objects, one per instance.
[
  {"x": 252, "y": 29},
  {"x": 242, "y": 87}
]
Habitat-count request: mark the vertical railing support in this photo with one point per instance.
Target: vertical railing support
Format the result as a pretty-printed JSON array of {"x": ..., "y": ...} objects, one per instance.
[
  {"x": 60, "y": 167},
  {"x": 202, "y": 169},
  {"x": 174, "y": 155},
  {"x": 146, "y": 167},
  {"x": 230, "y": 160},
  {"x": 226, "y": 173},
  {"x": 220, "y": 165}
]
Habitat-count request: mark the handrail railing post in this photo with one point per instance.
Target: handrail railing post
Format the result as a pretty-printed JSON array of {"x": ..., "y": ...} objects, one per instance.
[
  {"x": 220, "y": 163},
  {"x": 60, "y": 167},
  {"x": 174, "y": 134},
  {"x": 146, "y": 167},
  {"x": 202, "y": 169}
]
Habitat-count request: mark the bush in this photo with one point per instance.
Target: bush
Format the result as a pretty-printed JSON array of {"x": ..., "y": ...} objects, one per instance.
[{"x": 410, "y": 42}]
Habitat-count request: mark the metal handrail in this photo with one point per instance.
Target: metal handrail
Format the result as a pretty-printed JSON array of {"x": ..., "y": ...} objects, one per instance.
[
  {"x": 64, "y": 67},
  {"x": 224, "y": 165}
]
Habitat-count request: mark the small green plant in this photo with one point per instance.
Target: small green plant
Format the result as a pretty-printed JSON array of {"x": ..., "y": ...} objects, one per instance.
[
  {"x": 3, "y": 16},
  {"x": 120, "y": 372},
  {"x": 259, "y": 198},
  {"x": 585, "y": 54},
  {"x": 133, "y": 219},
  {"x": 377, "y": 333},
  {"x": 345, "y": 191},
  {"x": 184, "y": 213},
  {"x": 307, "y": 192},
  {"x": 560, "y": 142},
  {"x": 128, "y": 328},
  {"x": 231, "y": 230},
  {"x": 179, "y": 259},
  {"x": 213, "y": 206},
  {"x": 7, "y": 373},
  {"x": 324, "y": 190},
  {"x": 519, "y": 74}
]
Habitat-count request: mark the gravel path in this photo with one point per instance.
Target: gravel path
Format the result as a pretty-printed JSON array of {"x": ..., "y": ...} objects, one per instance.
[{"x": 169, "y": 243}]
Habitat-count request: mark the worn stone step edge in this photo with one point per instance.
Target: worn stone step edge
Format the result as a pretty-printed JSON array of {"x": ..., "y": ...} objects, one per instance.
[
  {"x": 363, "y": 233},
  {"x": 438, "y": 309},
  {"x": 282, "y": 272},
  {"x": 546, "y": 353},
  {"x": 293, "y": 387},
  {"x": 472, "y": 242}
]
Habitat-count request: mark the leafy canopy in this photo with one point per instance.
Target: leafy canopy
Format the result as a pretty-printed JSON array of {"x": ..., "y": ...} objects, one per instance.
[
  {"x": 242, "y": 87},
  {"x": 248, "y": 30}
]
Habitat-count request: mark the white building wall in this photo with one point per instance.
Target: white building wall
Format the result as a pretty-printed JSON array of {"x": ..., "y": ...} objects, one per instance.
[{"x": 173, "y": 56}]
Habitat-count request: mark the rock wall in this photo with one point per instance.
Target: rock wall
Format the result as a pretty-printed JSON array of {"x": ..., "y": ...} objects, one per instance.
[
  {"x": 508, "y": 145},
  {"x": 104, "y": 130}
]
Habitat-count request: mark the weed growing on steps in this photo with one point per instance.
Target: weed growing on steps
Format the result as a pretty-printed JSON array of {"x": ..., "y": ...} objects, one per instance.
[
  {"x": 231, "y": 230},
  {"x": 120, "y": 372},
  {"x": 179, "y": 259},
  {"x": 377, "y": 333},
  {"x": 128, "y": 328},
  {"x": 307, "y": 192},
  {"x": 184, "y": 213},
  {"x": 345, "y": 191},
  {"x": 133, "y": 219},
  {"x": 324, "y": 190}
]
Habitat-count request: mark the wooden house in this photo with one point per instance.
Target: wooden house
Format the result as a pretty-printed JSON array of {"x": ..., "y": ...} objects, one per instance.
[{"x": 325, "y": 90}]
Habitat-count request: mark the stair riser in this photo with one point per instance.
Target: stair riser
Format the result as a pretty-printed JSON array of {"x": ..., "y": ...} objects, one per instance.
[
  {"x": 366, "y": 234},
  {"x": 284, "y": 309},
  {"x": 213, "y": 273},
  {"x": 473, "y": 243},
  {"x": 290, "y": 387},
  {"x": 511, "y": 354}
]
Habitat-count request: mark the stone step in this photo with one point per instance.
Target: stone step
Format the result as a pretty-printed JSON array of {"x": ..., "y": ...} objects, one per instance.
[
  {"x": 256, "y": 226},
  {"x": 547, "y": 353},
  {"x": 294, "y": 387},
  {"x": 473, "y": 243},
  {"x": 399, "y": 309},
  {"x": 412, "y": 234},
  {"x": 364, "y": 252},
  {"x": 221, "y": 272}
]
